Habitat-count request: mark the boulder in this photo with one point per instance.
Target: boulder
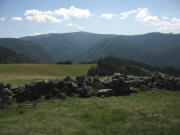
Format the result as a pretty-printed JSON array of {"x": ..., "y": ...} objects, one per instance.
[
  {"x": 6, "y": 92},
  {"x": 105, "y": 92},
  {"x": 21, "y": 94},
  {"x": 56, "y": 84},
  {"x": 122, "y": 90},
  {"x": 5, "y": 97},
  {"x": 113, "y": 83},
  {"x": 118, "y": 85},
  {"x": 85, "y": 91},
  {"x": 118, "y": 76},
  {"x": 80, "y": 80}
]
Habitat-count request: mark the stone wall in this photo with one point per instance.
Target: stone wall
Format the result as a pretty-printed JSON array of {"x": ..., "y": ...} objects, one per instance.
[{"x": 83, "y": 86}]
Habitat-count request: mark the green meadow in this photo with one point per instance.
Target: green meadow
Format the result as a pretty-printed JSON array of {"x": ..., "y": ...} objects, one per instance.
[
  {"x": 150, "y": 112},
  {"x": 155, "y": 112},
  {"x": 18, "y": 74}
]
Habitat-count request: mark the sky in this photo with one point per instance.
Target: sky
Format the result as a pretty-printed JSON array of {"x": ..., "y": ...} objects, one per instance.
[{"x": 20, "y": 18}]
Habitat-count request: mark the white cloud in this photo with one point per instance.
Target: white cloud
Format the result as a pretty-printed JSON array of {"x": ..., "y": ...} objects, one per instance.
[
  {"x": 69, "y": 24},
  {"x": 73, "y": 12},
  {"x": 144, "y": 15},
  {"x": 175, "y": 20},
  {"x": 41, "y": 16},
  {"x": 80, "y": 27},
  {"x": 164, "y": 24},
  {"x": 125, "y": 15},
  {"x": 107, "y": 16},
  {"x": 52, "y": 16},
  {"x": 17, "y": 18},
  {"x": 165, "y": 17},
  {"x": 2, "y": 19}
]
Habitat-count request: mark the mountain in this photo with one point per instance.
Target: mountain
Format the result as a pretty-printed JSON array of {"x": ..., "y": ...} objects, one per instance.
[
  {"x": 156, "y": 49},
  {"x": 66, "y": 46},
  {"x": 26, "y": 48},
  {"x": 8, "y": 56}
]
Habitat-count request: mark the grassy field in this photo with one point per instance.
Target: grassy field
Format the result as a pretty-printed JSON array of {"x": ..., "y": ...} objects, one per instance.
[
  {"x": 17, "y": 74},
  {"x": 146, "y": 113},
  {"x": 155, "y": 112}
]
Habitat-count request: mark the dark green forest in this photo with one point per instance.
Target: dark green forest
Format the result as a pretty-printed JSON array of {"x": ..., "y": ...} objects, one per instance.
[
  {"x": 109, "y": 65},
  {"x": 26, "y": 48},
  {"x": 8, "y": 56}
]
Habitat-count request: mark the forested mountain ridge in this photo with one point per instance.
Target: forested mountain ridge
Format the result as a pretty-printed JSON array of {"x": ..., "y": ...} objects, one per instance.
[
  {"x": 26, "y": 48},
  {"x": 156, "y": 49},
  {"x": 67, "y": 46},
  {"x": 8, "y": 56}
]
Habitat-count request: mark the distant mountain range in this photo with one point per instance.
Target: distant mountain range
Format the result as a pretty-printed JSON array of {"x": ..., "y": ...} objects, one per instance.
[
  {"x": 67, "y": 46},
  {"x": 157, "y": 49}
]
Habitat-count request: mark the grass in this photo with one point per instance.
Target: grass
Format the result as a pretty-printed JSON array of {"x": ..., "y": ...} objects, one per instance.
[
  {"x": 17, "y": 74},
  {"x": 155, "y": 112}
]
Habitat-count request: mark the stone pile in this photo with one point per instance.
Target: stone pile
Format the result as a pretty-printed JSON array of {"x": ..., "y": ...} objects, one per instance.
[
  {"x": 82, "y": 86},
  {"x": 116, "y": 85},
  {"x": 158, "y": 82}
]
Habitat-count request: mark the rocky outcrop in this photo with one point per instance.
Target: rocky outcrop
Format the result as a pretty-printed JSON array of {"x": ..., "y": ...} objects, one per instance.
[{"x": 83, "y": 86}]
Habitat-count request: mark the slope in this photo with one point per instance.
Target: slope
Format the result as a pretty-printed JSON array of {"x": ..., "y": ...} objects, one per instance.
[
  {"x": 8, "y": 56},
  {"x": 26, "y": 48},
  {"x": 67, "y": 46},
  {"x": 157, "y": 49}
]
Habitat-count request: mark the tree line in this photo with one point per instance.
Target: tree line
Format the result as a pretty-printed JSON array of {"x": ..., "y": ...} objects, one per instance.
[{"x": 109, "y": 65}]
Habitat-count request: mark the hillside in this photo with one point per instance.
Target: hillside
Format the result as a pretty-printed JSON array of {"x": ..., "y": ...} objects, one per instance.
[
  {"x": 157, "y": 49},
  {"x": 153, "y": 112},
  {"x": 26, "y": 48},
  {"x": 8, "y": 56},
  {"x": 67, "y": 46},
  {"x": 109, "y": 65}
]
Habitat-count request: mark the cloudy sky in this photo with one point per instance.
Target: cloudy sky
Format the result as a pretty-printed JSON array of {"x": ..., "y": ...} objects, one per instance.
[{"x": 32, "y": 17}]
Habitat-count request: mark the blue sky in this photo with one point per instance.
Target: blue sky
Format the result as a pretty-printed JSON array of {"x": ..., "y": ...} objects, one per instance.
[{"x": 31, "y": 17}]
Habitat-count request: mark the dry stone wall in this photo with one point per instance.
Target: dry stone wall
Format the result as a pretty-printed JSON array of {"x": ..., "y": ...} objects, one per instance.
[{"x": 83, "y": 87}]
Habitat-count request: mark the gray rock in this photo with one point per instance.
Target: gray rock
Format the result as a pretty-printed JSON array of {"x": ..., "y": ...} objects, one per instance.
[
  {"x": 118, "y": 75},
  {"x": 80, "y": 80},
  {"x": 105, "y": 92},
  {"x": 113, "y": 83},
  {"x": 85, "y": 91}
]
